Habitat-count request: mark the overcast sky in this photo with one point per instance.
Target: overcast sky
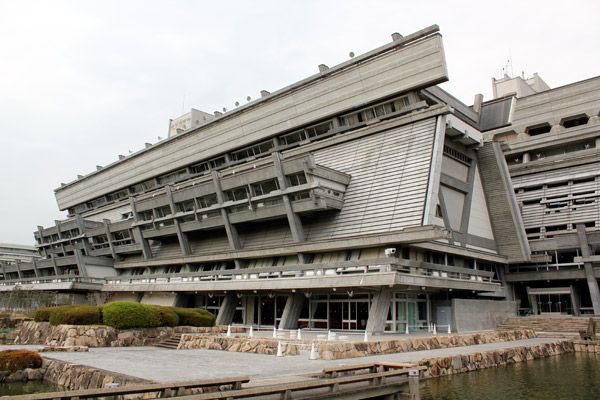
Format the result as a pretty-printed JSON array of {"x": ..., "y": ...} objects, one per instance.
[{"x": 84, "y": 81}]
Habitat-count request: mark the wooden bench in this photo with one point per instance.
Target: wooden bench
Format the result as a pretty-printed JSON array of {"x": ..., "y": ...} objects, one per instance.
[
  {"x": 335, "y": 371},
  {"x": 166, "y": 389},
  {"x": 286, "y": 389}
]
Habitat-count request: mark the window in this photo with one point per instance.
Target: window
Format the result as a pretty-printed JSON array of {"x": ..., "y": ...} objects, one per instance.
[
  {"x": 296, "y": 179},
  {"x": 265, "y": 187},
  {"x": 121, "y": 235},
  {"x": 236, "y": 194},
  {"x": 185, "y": 206},
  {"x": 217, "y": 162},
  {"x": 118, "y": 195},
  {"x": 538, "y": 129},
  {"x": 199, "y": 168},
  {"x": 145, "y": 215},
  {"x": 207, "y": 201},
  {"x": 300, "y": 196},
  {"x": 457, "y": 155},
  {"x": 576, "y": 120},
  {"x": 172, "y": 177},
  {"x": 252, "y": 151},
  {"x": 318, "y": 130},
  {"x": 162, "y": 211},
  {"x": 293, "y": 137},
  {"x": 144, "y": 186}
]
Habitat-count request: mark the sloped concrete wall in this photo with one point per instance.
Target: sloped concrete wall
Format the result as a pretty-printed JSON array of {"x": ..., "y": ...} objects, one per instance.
[{"x": 476, "y": 315}]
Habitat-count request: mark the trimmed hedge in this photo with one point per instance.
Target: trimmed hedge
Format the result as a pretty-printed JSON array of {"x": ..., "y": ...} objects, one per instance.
[
  {"x": 76, "y": 315},
  {"x": 129, "y": 315},
  {"x": 125, "y": 315},
  {"x": 194, "y": 317},
  {"x": 166, "y": 315},
  {"x": 17, "y": 360}
]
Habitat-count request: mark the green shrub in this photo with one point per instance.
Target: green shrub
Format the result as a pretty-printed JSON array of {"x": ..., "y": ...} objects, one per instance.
[
  {"x": 129, "y": 315},
  {"x": 194, "y": 317},
  {"x": 43, "y": 314},
  {"x": 76, "y": 315},
  {"x": 166, "y": 315},
  {"x": 16, "y": 360}
]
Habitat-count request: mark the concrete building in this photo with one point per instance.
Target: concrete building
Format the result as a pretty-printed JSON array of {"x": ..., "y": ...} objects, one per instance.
[
  {"x": 551, "y": 142},
  {"x": 15, "y": 254},
  {"x": 362, "y": 198},
  {"x": 187, "y": 121}
]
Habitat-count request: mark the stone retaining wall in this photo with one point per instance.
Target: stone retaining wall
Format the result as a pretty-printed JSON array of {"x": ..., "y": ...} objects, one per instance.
[
  {"x": 587, "y": 346},
  {"x": 43, "y": 333},
  {"x": 488, "y": 359},
  {"x": 340, "y": 350},
  {"x": 75, "y": 377},
  {"x": 238, "y": 344}
]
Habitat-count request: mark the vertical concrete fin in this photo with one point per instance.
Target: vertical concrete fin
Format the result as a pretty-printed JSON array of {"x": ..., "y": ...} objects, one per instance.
[
  {"x": 291, "y": 312},
  {"x": 507, "y": 223},
  {"x": 227, "y": 310},
  {"x": 379, "y": 311}
]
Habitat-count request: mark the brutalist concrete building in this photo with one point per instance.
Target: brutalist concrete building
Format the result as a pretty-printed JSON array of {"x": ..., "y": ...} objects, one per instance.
[{"x": 362, "y": 197}]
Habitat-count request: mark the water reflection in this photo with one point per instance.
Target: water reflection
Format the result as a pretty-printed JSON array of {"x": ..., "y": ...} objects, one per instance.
[
  {"x": 569, "y": 376},
  {"x": 13, "y": 389}
]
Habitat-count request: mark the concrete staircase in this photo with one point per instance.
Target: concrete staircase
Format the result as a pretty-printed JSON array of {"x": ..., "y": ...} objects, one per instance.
[
  {"x": 548, "y": 326},
  {"x": 170, "y": 343}
]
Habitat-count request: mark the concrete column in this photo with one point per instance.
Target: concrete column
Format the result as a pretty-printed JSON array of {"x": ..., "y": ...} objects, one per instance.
[
  {"x": 181, "y": 237},
  {"x": 44, "y": 253},
  {"x": 291, "y": 311},
  {"x": 35, "y": 268},
  {"x": 17, "y": 262},
  {"x": 86, "y": 244},
  {"x": 575, "y": 300},
  {"x": 249, "y": 307},
  {"x": 526, "y": 157},
  {"x": 293, "y": 219},
  {"x": 80, "y": 264},
  {"x": 232, "y": 233},
  {"x": 3, "y": 271},
  {"x": 589, "y": 270},
  {"x": 57, "y": 224},
  {"x": 379, "y": 311},
  {"x": 56, "y": 271},
  {"x": 227, "y": 309},
  {"x": 109, "y": 238},
  {"x": 138, "y": 236}
]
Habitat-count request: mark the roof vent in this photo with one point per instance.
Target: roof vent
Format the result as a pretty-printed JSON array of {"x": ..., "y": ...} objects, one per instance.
[
  {"x": 147, "y": 145},
  {"x": 323, "y": 68},
  {"x": 264, "y": 93},
  {"x": 396, "y": 36}
]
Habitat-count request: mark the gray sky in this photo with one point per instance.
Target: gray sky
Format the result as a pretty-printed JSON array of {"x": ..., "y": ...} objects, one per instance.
[{"x": 84, "y": 81}]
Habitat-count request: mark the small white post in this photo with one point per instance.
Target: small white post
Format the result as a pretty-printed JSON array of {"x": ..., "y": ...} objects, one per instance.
[
  {"x": 329, "y": 335},
  {"x": 407, "y": 331},
  {"x": 429, "y": 327},
  {"x": 366, "y": 338},
  {"x": 434, "y": 330},
  {"x": 274, "y": 333},
  {"x": 228, "y": 330},
  {"x": 299, "y": 335},
  {"x": 313, "y": 352},
  {"x": 279, "y": 349},
  {"x": 251, "y": 332},
  {"x": 449, "y": 330}
]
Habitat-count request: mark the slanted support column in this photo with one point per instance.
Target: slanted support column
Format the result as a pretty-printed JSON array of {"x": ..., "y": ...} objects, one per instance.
[
  {"x": 227, "y": 309},
  {"x": 17, "y": 264},
  {"x": 85, "y": 242},
  {"x": 232, "y": 233},
  {"x": 293, "y": 218},
  {"x": 138, "y": 236},
  {"x": 56, "y": 271},
  {"x": 589, "y": 270},
  {"x": 292, "y": 310},
  {"x": 40, "y": 229},
  {"x": 80, "y": 264},
  {"x": 184, "y": 244},
  {"x": 379, "y": 311},
  {"x": 35, "y": 268},
  {"x": 249, "y": 307},
  {"x": 109, "y": 238}
]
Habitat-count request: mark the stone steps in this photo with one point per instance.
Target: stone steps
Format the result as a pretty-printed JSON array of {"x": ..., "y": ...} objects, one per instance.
[
  {"x": 170, "y": 343},
  {"x": 566, "y": 324}
]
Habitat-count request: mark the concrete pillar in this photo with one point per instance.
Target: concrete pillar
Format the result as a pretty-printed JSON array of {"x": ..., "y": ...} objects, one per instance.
[
  {"x": 138, "y": 236},
  {"x": 379, "y": 311},
  {"x": 109, "y": 238},
  {"x": 80, "y": 264},
  {"x": 575, "y": 300},
  {"x": 589, "y": 270},
  {"x": 249, "y": 307},
  {"x": 293, "y": 219},
  {"x": 56, "y": 271},
  {"x": 4, "y": 271},
  {"x": 35, "y": 268},
  {"x": 526, "y": 157},
  {"x": 232, "y": 233},
  {"x": 184, "y": 244},
  {"x": 291, "y": 311},
  {"x": 227, "y": 309},
  {"x": 17, "y": 264}
]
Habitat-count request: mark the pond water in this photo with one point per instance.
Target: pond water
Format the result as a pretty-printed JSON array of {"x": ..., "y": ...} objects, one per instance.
[
  {"x": 568, "y": 376},
  {"x": 12, "y": 389}
]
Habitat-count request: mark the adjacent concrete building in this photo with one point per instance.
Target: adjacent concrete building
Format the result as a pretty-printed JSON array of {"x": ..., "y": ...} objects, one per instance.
[{"x": 363, "y": 197}]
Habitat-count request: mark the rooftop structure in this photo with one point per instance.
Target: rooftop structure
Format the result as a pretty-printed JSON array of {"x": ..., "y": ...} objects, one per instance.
[{"x": 363, "y": 197}]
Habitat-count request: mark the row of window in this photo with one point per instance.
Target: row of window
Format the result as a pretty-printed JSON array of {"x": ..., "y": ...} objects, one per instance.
[
  {"x": 235, "y": 194},
  {"x": 540, "y": 154},
  {"x": 568, "y": 122},
  {"x": 313, "y": 132}
]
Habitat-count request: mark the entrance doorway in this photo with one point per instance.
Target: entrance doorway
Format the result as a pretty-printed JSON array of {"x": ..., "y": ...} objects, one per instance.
[{"x": 551, "y": 300}]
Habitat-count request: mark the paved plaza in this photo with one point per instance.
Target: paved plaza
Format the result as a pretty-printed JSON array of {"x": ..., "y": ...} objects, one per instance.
[{"x": 163, "y": 365}]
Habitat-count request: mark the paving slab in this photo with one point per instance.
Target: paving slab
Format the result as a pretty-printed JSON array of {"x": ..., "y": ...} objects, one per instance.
[{"x": 164, "y": 365}]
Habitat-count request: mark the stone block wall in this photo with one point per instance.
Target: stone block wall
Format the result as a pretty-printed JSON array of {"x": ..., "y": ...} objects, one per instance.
[
  {"x": 587, "y": 346},
  {"x": 238, "y": 344},
  {"x": 43, "y": 333},
  {"x": 340, "y": 350}
]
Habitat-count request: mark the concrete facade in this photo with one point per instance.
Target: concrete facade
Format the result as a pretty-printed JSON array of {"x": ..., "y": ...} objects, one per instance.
[{"x": 361, "y": 198}]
